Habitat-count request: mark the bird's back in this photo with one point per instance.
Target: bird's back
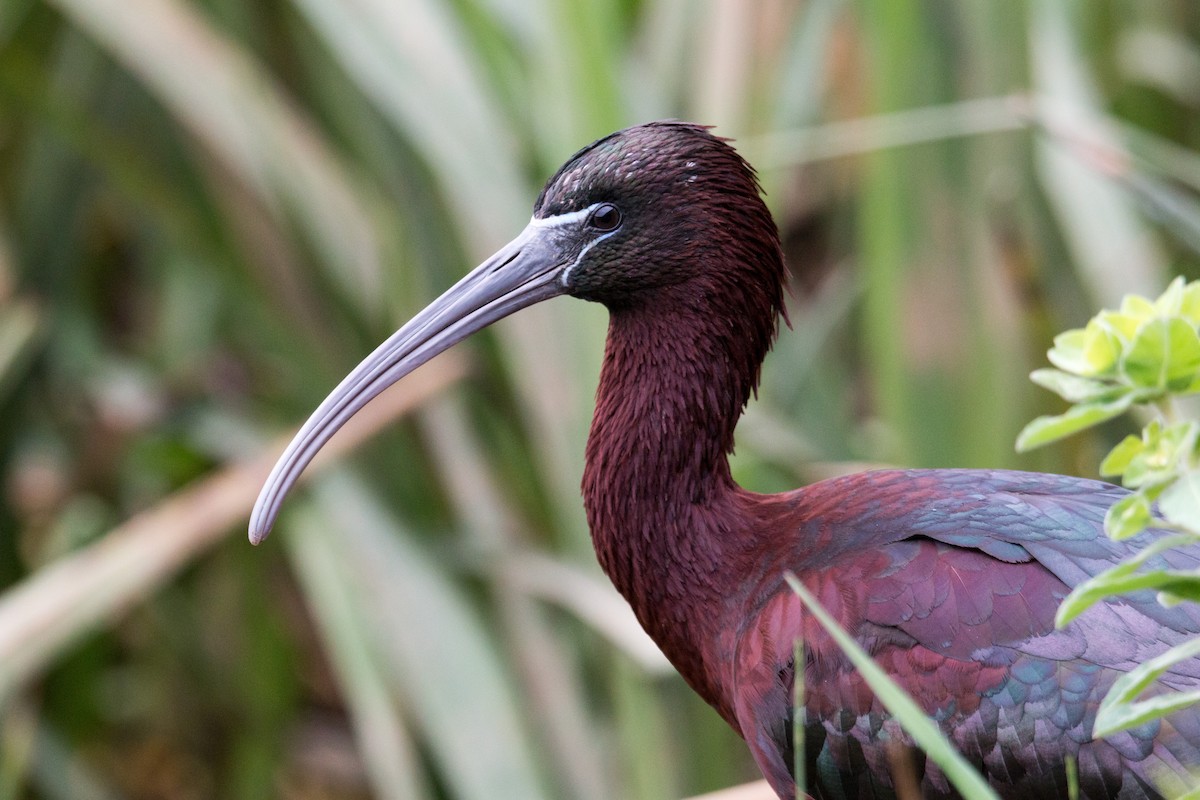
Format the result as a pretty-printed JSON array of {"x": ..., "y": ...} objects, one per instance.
[{"x": 951, "y": 579}]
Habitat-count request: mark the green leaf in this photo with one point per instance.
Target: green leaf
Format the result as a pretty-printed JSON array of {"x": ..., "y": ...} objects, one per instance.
[
  {"x": 1044, "y": 430},
  {"x": 1067, "y": 353},
  {"x": 1184, "y": 587},
  {"x": 1112, "y": 582},
  {"x": 1183, "y": 367},
  {"x": 1165, "y": 354},
  {"x": 1135, "y": 305},
  {"x": 1170, "y": 302},
  {"x": 1188, "y": 793},
  {"x": 1073, "y": 388},
  {"x": 1189, "y": 306},
  {"x": 1109, "y": 582},
  {"x": 1158, "y": 464},
  {"x": 1191, "y": 388},
  {"x": 1122, "y": 716},
  {"x": 1180, "y": 501},
  {"x": 1117, "y": 460},
  {"x": 1102, "y": 348},
  {"x": 1127, "y": 517},
  {"x": 921, "y": 728},
  {"x": 1120, "y": 710},
  {"x": 1149, "y": 482},
  {"x": 1095, "y": 589},
  {"x": 1122, "y": 326}
]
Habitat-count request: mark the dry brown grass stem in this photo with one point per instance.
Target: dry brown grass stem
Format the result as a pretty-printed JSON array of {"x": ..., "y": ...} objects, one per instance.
[{"x": 61, "y": 602}]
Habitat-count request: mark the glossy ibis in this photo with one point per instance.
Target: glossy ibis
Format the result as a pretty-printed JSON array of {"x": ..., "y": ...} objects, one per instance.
[{"x": 950, "y": 578}]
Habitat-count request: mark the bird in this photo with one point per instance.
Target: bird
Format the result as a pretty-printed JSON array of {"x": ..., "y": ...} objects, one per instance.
[{"x": 949, "y": 578}]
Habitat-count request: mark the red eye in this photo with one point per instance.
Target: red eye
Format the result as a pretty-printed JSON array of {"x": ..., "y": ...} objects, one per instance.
[{"x": 606, "y": 217}]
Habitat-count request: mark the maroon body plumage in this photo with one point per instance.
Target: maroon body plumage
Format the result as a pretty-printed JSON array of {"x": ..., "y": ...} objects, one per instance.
[{"x": 950, "y": 578}]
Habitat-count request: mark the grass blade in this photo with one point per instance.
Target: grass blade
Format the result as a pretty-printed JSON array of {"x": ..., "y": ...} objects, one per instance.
[
  {"x": 441, "y": 660},
  {"x": 408, "y": 59},
  {"x": 798, "y": 714},
  {"x": 924, "y": 732},
  {"x": 240, "y": 112},
  {"x": 1111, "y": 246},
  {"x": 53, "y": 608},
  {"x": 390, "y": 756}
]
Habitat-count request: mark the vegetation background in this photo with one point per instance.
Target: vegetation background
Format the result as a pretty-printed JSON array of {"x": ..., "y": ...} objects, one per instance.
[{"x": 210, "y": 210}]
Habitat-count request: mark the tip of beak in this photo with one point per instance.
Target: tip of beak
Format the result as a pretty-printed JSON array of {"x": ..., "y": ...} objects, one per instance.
[{"x": 261, "y": 523}]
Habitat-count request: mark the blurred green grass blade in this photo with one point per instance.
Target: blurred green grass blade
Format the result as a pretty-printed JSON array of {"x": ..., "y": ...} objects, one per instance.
[
  {"x": 974, "y": 117},
  {"x": 590, "y": 598},
  {"x": 21, "y": 327},
  {"x": 921, "y": 728},
  {"x": 240, "y": 112},
  {"x": 54, "y": 607},
  {"x": 554, "y": 351},
  {"x": 1111, "y": 246},
  {"x": 26, "y": 90},
  {"x": 12, "y": 14},
  {"x": 58, "y": 771},
  {"x": 494, "y": 529},
  {"x": 558, "y": 702},
  {"x": 1174, "y": 209},
  {"x": 923, "y": 382},
  {"x": 498, "y": 535},
  {"x": 389, "y": 754},
  {"x": 641, "y": 726},
  {"x": 795, "y": 97},
  {"x": 801, "y": 83},
  {"x": 1114, "y": 718},
  {"x": 663, "y": 53},
  {"x": 1163, "y": 156},
  {"x": 409, "y": 59},
  {"x": 1147, "y": 167},
  {"x": 444, "y": 663},
  {"x": 722, "y": 88},
  {"x": 588, "y": 38},
  {"x": 18, "y": 735},
  {"x": 892, "y": 201}
]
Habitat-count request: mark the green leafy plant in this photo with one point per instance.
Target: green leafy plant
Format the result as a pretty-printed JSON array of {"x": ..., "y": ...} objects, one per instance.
[{"x": 1145, "y": 353}]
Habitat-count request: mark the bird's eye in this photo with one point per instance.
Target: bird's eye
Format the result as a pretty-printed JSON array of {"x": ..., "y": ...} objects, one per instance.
[{"x": 606, "y": 217}]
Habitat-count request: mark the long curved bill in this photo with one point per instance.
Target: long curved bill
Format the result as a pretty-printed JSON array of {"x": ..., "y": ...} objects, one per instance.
[{"x": 523, "y": 272}]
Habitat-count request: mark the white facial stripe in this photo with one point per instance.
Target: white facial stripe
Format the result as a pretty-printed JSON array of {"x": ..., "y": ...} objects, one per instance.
[
  {"x": 566, "y": 274},
  {"x": 570, "y": 218},
  {"x": 562, "y": 219}
]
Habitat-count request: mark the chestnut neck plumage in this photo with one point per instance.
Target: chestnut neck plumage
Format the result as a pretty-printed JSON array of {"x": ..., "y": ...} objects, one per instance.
[{"x": 668, "y": 522}]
